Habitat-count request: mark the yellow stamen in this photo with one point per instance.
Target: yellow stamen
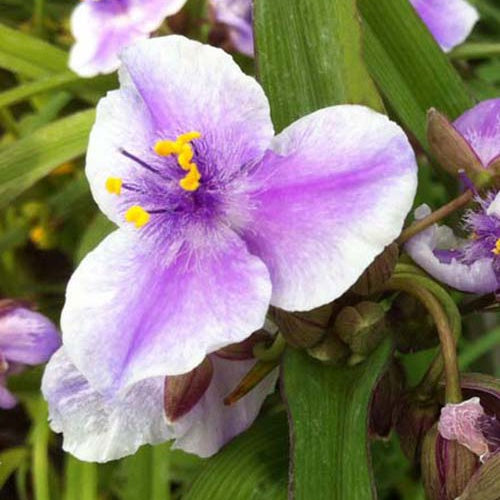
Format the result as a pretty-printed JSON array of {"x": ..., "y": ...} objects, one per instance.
[
  {"x": 166, "y": 148},
  {"x": 137, "y": 215},
  {"x": 188, "y": 137},
  {"x": 191, "y": 182},
  {"x": 185, "y": 158},
  {"x": 114, "y": 185},
  {"x": 496, "y": 250}
]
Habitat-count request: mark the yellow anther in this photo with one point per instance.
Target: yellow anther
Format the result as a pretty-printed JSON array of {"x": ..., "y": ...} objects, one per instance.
[
  {"x": 496, "y": 250},
  {"x": 114, "y": 185},
  {"x": 185, "y": 157},
  {"x": 137, "y": 215},
  {"x": 188, "y": 137},
  {"x": 191, "y": 182},
  {"x": 166, "y": 148}
]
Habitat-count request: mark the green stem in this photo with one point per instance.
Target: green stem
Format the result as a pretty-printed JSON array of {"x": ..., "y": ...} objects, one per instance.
[
  {"x": 435, "y": 216},
  {"x": 81, "y": 480},
  {"x": 160, "y": 481},
  {"x": 446, "y": 338},
  {"x": 478, "y": 50},
  {"x": 8, "y": 122},
  {"x": 270, "y": 353},
  {"x": 40, "y": 460},
  {"x": 38, "y": 15}
]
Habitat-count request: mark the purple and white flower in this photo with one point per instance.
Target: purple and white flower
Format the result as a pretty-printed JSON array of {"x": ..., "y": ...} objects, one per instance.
[
  {"x": 103, "y": 28},
  {"x": 217, "y": 220},
  {"x": 26, "y": 338},
  {"x": 472, "y": 264},
  {"x": 449, "y": 21},
  {"x": 467, "y": 264},
  {"x": 237, "y": 15}
]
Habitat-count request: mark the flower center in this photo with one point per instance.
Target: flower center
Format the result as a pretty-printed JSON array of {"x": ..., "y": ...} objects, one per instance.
[
  {"x": 496, "y": 249},
  {"x": 183, "y": 150}
]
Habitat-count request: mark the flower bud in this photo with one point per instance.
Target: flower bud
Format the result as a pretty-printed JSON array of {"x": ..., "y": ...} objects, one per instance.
[
  {"x": 182, "y": 392},
  {"x": 385, "y": 399},
  {"x": 303, "y": 329},
  {"x": 485, "y": 483},
  {"x": 449, "y": 147},
  {"x": 447, "y": 466},
  {"x": 379, "y": 271},
  {"x": 414, "y": 418},
  {"x": 331, "y": 350},
  {"x": 361, "y": 327}
]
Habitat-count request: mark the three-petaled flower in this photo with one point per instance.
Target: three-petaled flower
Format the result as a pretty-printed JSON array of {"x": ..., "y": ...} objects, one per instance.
[{"x": 217, "y": 220}]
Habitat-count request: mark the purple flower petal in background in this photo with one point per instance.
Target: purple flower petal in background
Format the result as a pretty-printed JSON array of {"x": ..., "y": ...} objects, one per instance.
[
  {"x": 102, "y": 28},
  {"x": 480, "y": 127},
  {"x": 99, "y": 428},
  {"x": 218, "y": 220},
  {"x": 237, "y": 15},
  {"x": 26, "y": 338},
  {"x": 470, "y": 265},
  {"x": 449, "y": 21}
]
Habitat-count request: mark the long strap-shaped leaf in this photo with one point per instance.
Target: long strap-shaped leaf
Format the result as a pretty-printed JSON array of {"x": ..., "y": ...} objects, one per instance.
[
  {"x": 411, "y": 71},
  {"x": 328, "y": 410}
]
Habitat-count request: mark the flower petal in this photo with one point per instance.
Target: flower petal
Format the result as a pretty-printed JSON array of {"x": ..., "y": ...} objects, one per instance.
[
  {"x": 190, "y": 86},
  {"x": 135, "y": 311},
  {"x": 7, "y": 399},
  {"x": 96, "y": 428},
  {"x": 27, "y": 337},
  {"x": 481, "y": 128},
  {"x": 449, "y": 21},
  {"x": 426, "y": 248},
  {"x": 331, "y": 196},
  {"x": 237, "y": 16},
  {"x": 211, "y": 424},
  {"x": 102, "y": 29}
]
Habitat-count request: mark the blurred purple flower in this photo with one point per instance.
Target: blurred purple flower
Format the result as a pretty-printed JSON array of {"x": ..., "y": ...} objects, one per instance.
[
  {"x": 471, "y": 265},
  {"x": 26, "y": 338},
  {"x": 103, "y": 28},
  {"x": 218, "y": 218},
  {"x": 449, "y": 21},
  {"x": 237, "y": 16}
]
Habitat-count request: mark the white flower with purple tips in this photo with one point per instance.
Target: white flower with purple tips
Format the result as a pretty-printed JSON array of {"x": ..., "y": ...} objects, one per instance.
[
  {"x": 103, "y": 28},
  {"x": 218, "y": 219}
]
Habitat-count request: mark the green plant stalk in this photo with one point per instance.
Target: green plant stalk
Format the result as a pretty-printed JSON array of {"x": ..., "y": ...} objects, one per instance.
[
  {"x": 476, "y": 50},
  {"x": 448, "y": 345},
  {"x": 40, "y": 460},
  {"x": 435, "y": 216},
  {"x": 160, "y": 469},
  {"x": 270, "y": 353},
  {"x": 38, "y": 15}
]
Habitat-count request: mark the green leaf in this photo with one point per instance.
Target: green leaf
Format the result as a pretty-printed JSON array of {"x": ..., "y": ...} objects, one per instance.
[
  {"x": 309, "y": 57},
  {"x": 328, "y": 409},
  {"x": 29, "y": 159},
  {"x": 410, "y": 69},
  {"x": 251, "y": 467},
  {"x": 10, "y": 461}
]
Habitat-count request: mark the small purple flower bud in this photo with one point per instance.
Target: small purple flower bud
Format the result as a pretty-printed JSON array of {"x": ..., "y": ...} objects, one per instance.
[
  {"x": 447, "y": 467},
  {"x": 331, "y": 350},
  {"x": 385, "y": 399},
  {"x": 414, "y": 418},
  {"x": 449, "y": 147},
  {"x": 182, "y": 392}
]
